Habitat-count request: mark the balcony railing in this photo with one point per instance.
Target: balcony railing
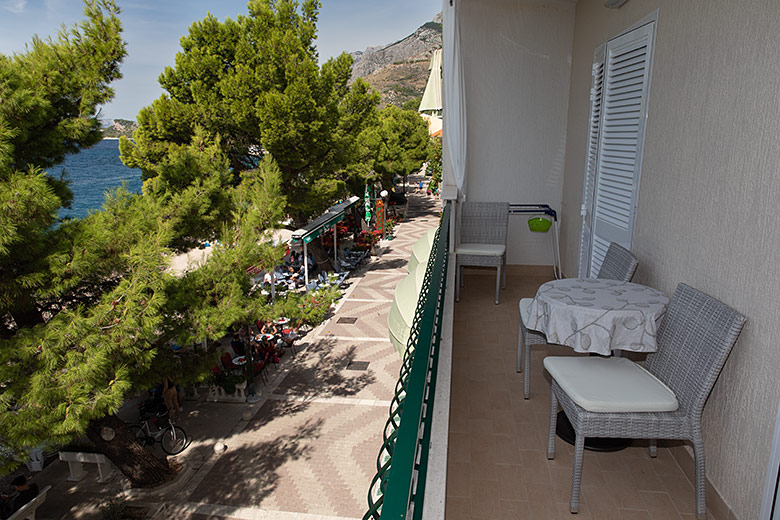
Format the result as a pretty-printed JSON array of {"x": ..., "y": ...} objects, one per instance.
[{"x": 398, "y": 488}]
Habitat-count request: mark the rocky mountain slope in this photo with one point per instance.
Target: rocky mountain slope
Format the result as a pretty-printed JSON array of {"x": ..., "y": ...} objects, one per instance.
[{"x": 399, "y": 71}]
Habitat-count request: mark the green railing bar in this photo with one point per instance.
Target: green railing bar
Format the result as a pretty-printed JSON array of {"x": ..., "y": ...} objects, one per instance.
[{"x": 400, "y": 476}]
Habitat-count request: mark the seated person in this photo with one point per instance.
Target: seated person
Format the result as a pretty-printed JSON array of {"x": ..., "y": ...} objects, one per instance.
[
  {"x": 268, "y": 346},
  {"x": 295, "y": 260},
  {"x": 268, "y": 279},
  {"x": 287, "y": 338},
  {"x": 284, "y": 337},
  {"x": 257, "y": 350},
  {"x": 292, "y": 277},
  {"x": 24, "y": 493},
  {"x": 268, "y": 327},
  {"x": 238, "y": 345},
  {"x": 243, "y": 335}
]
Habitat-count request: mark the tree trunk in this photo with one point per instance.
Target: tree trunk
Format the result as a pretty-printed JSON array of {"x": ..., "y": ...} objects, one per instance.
[
  {"x": 321, "y": 257},
  {"x": 134, "y": 460}
]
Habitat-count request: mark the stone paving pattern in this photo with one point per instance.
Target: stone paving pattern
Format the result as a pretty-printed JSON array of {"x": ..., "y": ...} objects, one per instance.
[{"x": 307, "y": 450}]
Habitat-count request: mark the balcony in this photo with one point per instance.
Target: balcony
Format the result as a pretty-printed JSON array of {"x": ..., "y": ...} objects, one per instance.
[
  {"x": 495, "y": 450},
  {"x": 496, "y": 462}
]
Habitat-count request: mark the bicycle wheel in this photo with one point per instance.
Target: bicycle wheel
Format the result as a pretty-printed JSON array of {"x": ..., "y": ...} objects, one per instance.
[{"x": 173, "y": 440}]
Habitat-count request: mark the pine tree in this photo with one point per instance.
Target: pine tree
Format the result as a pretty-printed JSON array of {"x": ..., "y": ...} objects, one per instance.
[
  {"x": 50, "y": 96},
  {"x": 89, "y": 307},
  {"x": 395, "y": 144},
  {"x": 254, "y": 82}
]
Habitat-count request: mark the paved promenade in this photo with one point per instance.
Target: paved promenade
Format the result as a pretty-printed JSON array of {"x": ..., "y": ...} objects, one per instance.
[{"x": 307, "y": 450}]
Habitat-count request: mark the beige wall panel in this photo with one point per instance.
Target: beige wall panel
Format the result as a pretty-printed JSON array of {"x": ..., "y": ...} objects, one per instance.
[
  {"x": 516, "y": 64},
  {"x": 709, "y": 199}
]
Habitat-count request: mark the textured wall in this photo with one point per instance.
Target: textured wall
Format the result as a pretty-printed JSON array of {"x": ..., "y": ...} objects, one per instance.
[
  {"x": 516, "y": 63},
  {"x": 708, "y": 201}
]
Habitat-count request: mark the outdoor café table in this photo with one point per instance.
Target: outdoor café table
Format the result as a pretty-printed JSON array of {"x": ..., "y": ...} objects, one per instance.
[
  {"x": 281, "y": 321},
  {"x": 597, "y": 316},
  {"x": 239, "y": 360}
]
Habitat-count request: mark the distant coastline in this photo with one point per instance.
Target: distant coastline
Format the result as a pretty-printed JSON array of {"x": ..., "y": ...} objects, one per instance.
[
  {"x": 117, "y": 128},
  {"x": 111, "y": 139}
]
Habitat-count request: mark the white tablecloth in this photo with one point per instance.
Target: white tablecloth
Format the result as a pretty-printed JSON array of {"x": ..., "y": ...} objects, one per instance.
[{"x": 598, "y": 316}]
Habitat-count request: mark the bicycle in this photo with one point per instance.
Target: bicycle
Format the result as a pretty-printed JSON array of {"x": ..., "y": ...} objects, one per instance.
[{"x": 172, "y": 438}]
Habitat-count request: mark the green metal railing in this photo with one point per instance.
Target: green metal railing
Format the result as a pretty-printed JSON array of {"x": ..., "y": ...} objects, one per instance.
[{"x": 398, "y": 488}]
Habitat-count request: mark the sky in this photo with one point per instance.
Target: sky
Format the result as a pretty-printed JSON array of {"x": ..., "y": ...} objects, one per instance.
[{"x": 152, "y": 30}]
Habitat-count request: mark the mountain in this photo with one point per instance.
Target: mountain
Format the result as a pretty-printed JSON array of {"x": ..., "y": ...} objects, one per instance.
[
  {"x": 119, "y": 127},
  {"x": 399, "y": 71}
]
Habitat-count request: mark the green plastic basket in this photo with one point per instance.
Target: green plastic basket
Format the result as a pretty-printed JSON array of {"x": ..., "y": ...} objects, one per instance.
[{"x": 539, "y": 223}]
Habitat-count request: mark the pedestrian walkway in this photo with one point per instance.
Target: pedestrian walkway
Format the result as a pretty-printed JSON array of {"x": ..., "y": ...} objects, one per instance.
[{"x": 307, "y": 449}]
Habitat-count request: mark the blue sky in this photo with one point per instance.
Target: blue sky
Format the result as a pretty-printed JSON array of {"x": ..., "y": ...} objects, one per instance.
[{"x": 152, "y": 30}]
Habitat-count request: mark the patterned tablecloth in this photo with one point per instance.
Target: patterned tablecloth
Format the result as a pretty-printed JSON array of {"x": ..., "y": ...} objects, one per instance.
[{"x": 594, "y": 315}]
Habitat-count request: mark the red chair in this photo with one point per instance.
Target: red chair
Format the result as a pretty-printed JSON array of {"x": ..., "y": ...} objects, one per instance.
[
  {"x": 259, "y": 367},
  {"x": 227, "y": 362}
]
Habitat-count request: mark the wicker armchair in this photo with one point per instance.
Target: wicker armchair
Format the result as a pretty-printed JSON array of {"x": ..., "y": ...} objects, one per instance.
[
  {"x": 619, "y": 264},
  {"x": 605, "y": 398},
  {"x": 483, "y": 231}
]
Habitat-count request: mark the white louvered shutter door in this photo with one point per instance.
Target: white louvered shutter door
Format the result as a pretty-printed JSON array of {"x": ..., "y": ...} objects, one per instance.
[
  {"x": 594, "y": 123},
  {"x": 619, "y": 160}
]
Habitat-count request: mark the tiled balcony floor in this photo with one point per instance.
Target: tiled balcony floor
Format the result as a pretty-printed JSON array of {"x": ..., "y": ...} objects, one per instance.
[{"x": 497, "y": 464}]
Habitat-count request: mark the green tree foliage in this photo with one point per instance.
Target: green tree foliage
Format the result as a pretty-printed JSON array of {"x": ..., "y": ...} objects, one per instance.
[
  {"x": 434, "y": 163},
  {"x": 412, "y": 104},
  {"x": 77, "y": 368},
  {"x": 50, "y": 95},
  {"x": 51, "y": 92},
  {"x": 89, "y": 307},
  {"x": 397, "y": 143},
  {"x": 254, "y": 84}
]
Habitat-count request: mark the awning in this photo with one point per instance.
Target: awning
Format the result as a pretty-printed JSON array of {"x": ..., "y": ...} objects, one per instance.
[
  {"x": 431, "y": 100},
  {"x": 401, "y": 316},
  {"x": 324, "y": 222},
  {"x": 407, "y": 292},
  {"x": 421, "y": 250}
]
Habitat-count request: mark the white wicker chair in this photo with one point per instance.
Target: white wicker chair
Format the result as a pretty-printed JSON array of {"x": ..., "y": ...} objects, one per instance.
[
  {"x": 694, "y": 339},
  {"x": 619, "y": 264},
  {"x": 483, "y": 231}
]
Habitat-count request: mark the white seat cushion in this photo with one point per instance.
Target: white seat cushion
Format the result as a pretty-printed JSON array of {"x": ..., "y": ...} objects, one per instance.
[
  {"x": 480, "y": 249},
  {"x": 614, "y": 384},
  {"x": 525, "y": 303}
]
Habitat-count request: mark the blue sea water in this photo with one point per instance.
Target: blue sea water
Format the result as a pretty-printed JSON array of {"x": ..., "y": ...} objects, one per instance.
[{"x": 92, "y": 173}]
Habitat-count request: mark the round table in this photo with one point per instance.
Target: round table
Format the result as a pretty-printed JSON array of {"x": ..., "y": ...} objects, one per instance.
[
  {"x": 261, "y": 337},
  {"x": 239, "y": 360},
  {"x": 598, "y": 316},
  {"x": 281, "y": 321}
]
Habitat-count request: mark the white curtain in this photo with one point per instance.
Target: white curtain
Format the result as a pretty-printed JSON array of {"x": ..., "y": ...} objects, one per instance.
[{"x": 454, "y": 111}]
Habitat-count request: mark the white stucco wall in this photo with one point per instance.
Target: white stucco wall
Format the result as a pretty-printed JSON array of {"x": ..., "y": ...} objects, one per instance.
[
  {"x": 516, "y": 59},
  {"x": 708, "y": 210}
]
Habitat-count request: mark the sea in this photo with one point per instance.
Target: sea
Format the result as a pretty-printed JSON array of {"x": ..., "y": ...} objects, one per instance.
[{"x": 92, "y": 173}]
